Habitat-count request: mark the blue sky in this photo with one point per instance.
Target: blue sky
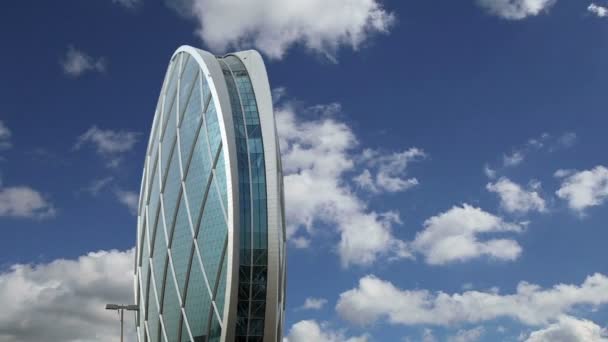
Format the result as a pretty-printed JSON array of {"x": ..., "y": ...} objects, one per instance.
[{"x": 440, "y": 158}]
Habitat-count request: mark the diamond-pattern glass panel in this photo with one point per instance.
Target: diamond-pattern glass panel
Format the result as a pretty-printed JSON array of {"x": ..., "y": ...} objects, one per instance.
[
  {"x": 171, "y": 191},
  {"x": 153, "y": 318},
  {"x": 198, "y": 175},
  {"x": 189, "y": 75},
  {"x": 215, "y": 331},
  {"x": 159, "y": 257},
  {"x": 181, "y": 246},
  {"x": 221, "y": 288},
  {"x": 213, "y": 128},
  {"x": 212, "y": 235},
  {"x": 198, "y": 302},
  {"x": 171, "y": 308},
  {"x": 220, "y": 174},
  {"x": 168, "y": 141},
  {"x": 190, "y": 124}
]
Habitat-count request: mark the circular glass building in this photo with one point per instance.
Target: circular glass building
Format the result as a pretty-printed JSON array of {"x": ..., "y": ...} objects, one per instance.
[{"x": 210, "y": 262}]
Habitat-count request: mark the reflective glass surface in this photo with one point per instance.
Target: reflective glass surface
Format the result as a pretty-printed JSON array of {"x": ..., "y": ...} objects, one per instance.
[{"x": 181, "y": 173}]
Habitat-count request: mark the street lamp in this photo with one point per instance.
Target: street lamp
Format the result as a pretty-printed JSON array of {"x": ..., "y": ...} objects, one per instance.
[{"x": 121, "y": 309}]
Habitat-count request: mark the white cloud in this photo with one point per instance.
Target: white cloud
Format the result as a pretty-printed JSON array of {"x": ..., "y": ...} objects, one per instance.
[
  {"x": 428, "y": 336},
  {"x": 311, "y": 331},
  {"x": 570, "y": 329},
  {"x": 561, "y": 173},
  {"x": 24, "y": 202},
  {"x": 545, "y": 142},
  {"x": 513, "y": 159},
  {"x": 468, "y": 335},
  {"x": 513, "y": 198},
  {"x": 317, "y": 155},
  {"x": 273, "y": 26},
  {"x": 97, "y": 185},
  {"x": 516, "y": 9},
  {"x": 598, "y": 10},
  {"x": 64, "y": 301},
  {"x": 374, "y": 299},
  {"x": 390, "y": 170},
  {"x": 77, "y": 62},
  {"x": 585, "y": 188},
  {"x": 109, "y": 144},
  {"x": 300, "y": 242},
  {"x": 314, "y": 303},
  {"x": 5, "y": 136},
  {"x": 128, "y": 198},
  {"x": 454, "y": 235},
  {"x": 489, "y": 172}
]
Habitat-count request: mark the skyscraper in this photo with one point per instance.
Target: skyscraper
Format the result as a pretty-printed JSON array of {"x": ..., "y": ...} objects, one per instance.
[{"x": 210, "y": 262}]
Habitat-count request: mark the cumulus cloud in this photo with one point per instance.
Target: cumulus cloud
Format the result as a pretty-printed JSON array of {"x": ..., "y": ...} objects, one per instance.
[
  {"x": 64, "y": 301},
  {"x": 318, "y": 152},
  {"x": 77, "y": 62},
  {"x": 598, "y": 10},
  {"x": 515, "y": 199},
  {"x": 516, "y": 9},
  {"x": 5, "y": 136},
  {"x": 570, "y": 329},
  {"x": 130, "y": 199},
  {"x": 374, "y": 299},
  {"x": 584, "y": 189},
  {"x": 390, "y": 170},
  {"x": 314, "y": 303},
  {"x": 109, "y": 144},
  {"x": 311, "y": 331},
  {"x": 273, "y": 26},
  {"x": 456, "y": 235},
  {"x": 24, "y": 202}
]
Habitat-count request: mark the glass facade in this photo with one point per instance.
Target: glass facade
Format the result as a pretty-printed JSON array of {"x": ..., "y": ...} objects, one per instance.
[{"x": 202, "y": 267}]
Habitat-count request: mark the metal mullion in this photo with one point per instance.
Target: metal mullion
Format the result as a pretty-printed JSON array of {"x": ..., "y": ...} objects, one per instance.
[
  {"x": 187, "y": 203},
  {"x": 153, "y": 280},
  {"x": 179, "y": 295},
  {"x": 191, "y": 153},
  {"x": 185, "y": 321},
  {"x": 162, "y": 328},
  {"x": 164, "y": 170},
  {"x": 155, "y": 169},
  {"x": 219, "y": 272},
  {"x": 202, "y": 207},
  {"x": 217, "y": 314},
  {"x": 173, "y": 226},
  {"x": 185, "y": 295},
  {"x": 202, "y": 266},
  {"x": 178, "y": 146},
  {"x": 164, "y": 224},
  {"x": 224, "y": 210},
  {"x": 189, "y": 270},
  {"x": 141, "y": 292},
  {"x": 147, "y": 331}
]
